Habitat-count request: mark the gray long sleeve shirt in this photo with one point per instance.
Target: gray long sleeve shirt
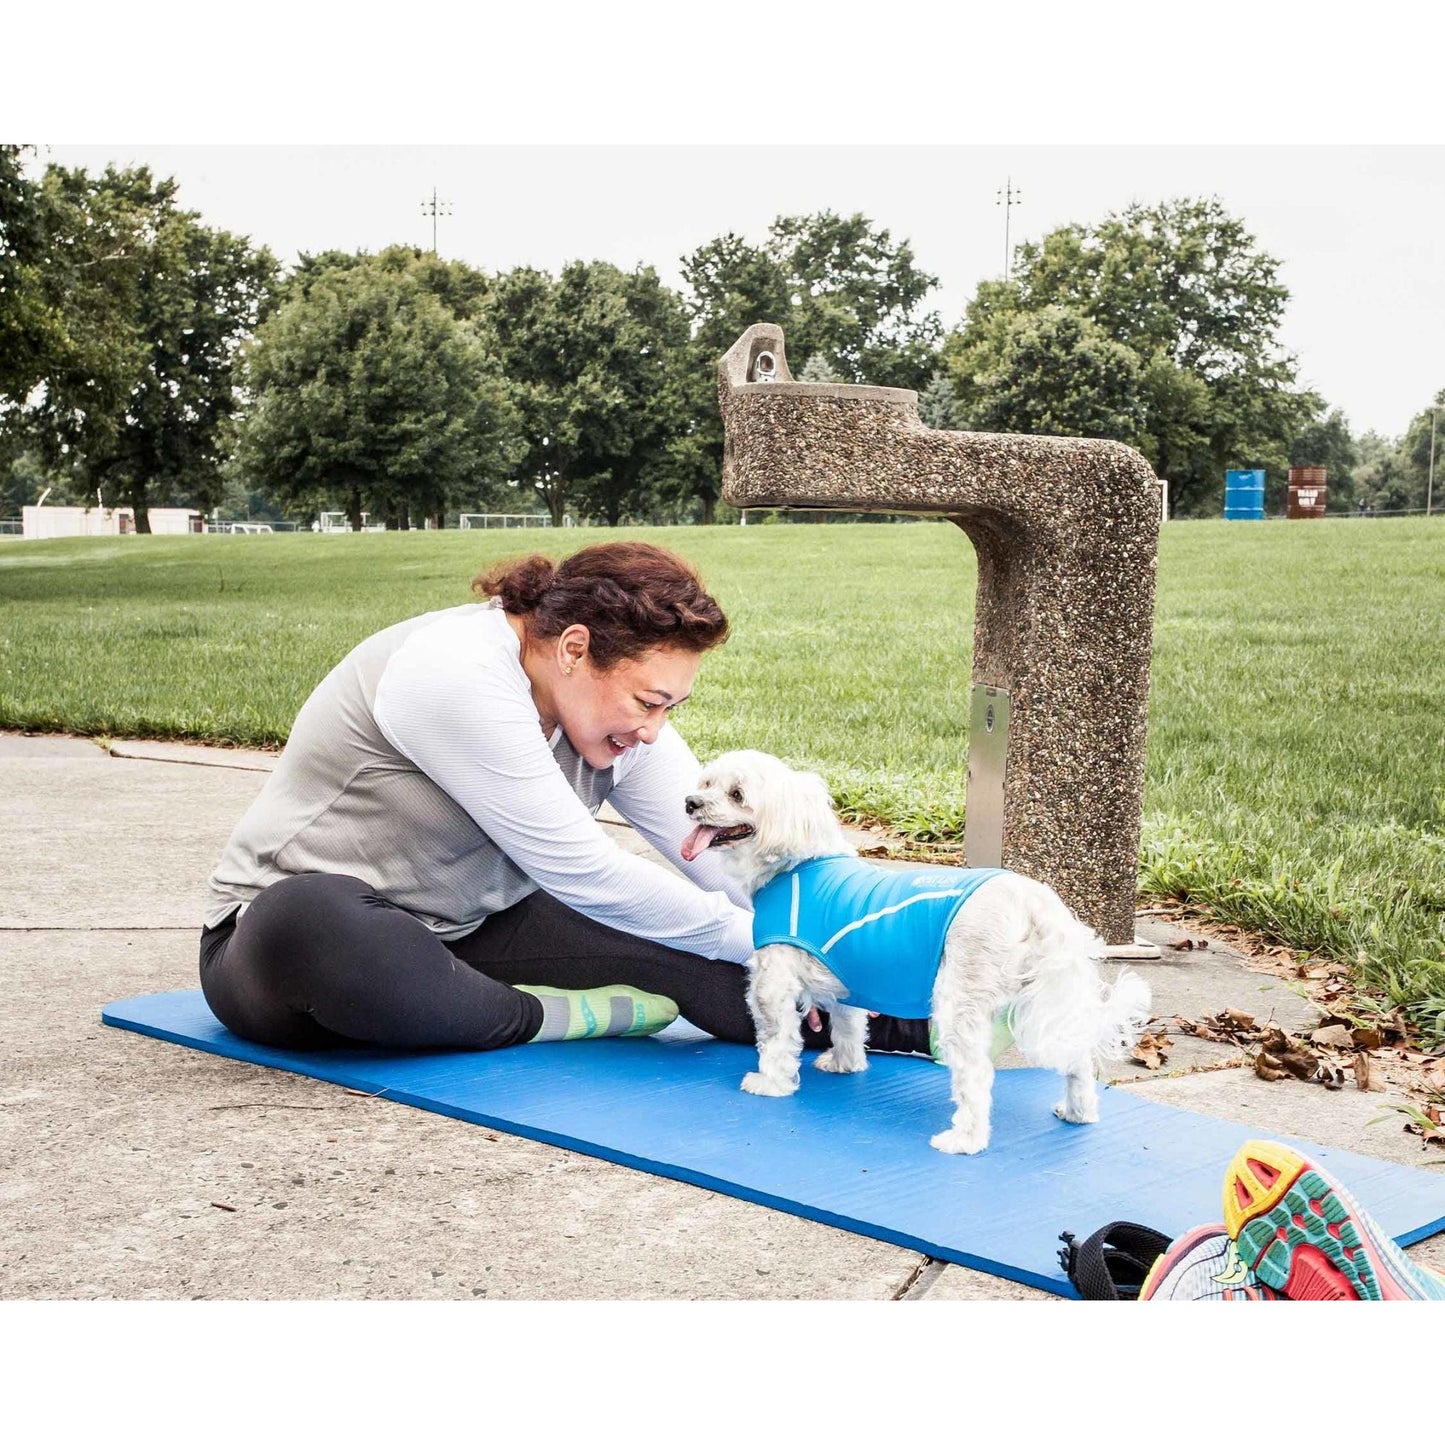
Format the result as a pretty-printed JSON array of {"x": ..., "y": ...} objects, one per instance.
[{"x": 419, "y": 765}]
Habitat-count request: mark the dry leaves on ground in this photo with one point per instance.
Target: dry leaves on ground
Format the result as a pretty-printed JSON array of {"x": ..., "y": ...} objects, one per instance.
[
  {"x": 1152, "y": 1050},
  {"x": 1392, "y": 1050}
]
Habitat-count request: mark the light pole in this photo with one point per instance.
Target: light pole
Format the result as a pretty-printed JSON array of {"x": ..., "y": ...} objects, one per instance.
[
  {"x": 435, "y": 208},
  {"x": 1008, "y": 198},
  {"x": 1430, "y": 478}
]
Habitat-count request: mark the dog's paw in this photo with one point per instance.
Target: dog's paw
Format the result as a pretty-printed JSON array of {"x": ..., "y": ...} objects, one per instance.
[
  {"x": 961, "y": 1141},
  {"x": 761, "y": 1084},
  {"x": 1076, "y": 1116},
  {"x": 830, "y": 1063}
]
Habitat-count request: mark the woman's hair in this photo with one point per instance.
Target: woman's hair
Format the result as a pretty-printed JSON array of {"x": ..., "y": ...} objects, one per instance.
[{"x": 630, "y": 596}]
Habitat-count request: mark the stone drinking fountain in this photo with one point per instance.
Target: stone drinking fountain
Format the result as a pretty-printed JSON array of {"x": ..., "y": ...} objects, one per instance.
[{"x": 1066, "y": 532}]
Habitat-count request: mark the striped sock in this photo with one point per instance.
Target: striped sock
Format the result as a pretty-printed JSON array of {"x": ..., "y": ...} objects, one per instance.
[{"x": 610, "y": 1012}]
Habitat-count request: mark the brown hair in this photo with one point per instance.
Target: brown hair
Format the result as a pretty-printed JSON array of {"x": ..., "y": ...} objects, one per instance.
[{"x": 630, "y": 596}]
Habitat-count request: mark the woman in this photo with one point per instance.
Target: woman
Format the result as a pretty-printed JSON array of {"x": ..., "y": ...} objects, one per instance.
[{"x": 424, "y": 869}]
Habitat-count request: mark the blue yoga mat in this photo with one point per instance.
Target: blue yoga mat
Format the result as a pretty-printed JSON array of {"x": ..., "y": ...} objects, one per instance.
[{"x": 847, "y": 1150}]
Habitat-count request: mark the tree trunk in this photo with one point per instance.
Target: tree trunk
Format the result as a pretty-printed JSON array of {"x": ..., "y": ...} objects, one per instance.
[
  {"x": 438, "y": 520},
  {"x": 403, "y": 516},
  {"x": 557, "y": 506},
  {"x": 353, "y": 509},
  {"x": 709, "y": 509},
  {"x": 136, "y": 497}
]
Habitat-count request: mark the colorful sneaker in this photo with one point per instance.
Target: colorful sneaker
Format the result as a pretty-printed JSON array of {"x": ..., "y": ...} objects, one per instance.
[
  {"x": 1203, "y": 1265},
  {"x": 1299, "y": 1231}
]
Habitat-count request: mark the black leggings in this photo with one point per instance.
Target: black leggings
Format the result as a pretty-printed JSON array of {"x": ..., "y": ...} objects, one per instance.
[{"x": 319, "y": 960}]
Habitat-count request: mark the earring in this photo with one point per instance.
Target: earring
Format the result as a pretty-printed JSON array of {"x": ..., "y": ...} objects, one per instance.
[{"x": 568, "y": 671}]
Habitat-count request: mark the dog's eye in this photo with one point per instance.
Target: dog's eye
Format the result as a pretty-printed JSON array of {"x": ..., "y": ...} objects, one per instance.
[{"x": 737, "y": 796}]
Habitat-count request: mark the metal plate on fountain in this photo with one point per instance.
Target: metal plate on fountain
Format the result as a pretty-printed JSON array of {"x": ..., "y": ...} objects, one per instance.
[{"x": 988, "y": 720}]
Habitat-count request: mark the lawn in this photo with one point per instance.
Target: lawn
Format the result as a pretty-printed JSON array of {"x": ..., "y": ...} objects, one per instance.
[{"x": 1296, "y": 772}]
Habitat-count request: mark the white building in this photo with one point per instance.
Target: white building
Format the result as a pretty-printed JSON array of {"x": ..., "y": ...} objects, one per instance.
[{"x": 41, "y": 522}]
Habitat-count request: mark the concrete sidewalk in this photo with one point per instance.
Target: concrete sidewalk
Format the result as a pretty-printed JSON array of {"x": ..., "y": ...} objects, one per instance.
[{"x": 134, "y": 1169}]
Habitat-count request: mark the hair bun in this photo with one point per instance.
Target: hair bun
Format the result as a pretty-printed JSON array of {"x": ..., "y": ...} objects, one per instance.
[
  {"x": 520, "y": 583},
  {"x": 630, "y": 596}
]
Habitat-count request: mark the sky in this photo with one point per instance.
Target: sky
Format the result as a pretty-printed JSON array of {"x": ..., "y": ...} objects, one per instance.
[
  {"x": 636, "y": 131},
  {"x": 1357, "y": 229}
]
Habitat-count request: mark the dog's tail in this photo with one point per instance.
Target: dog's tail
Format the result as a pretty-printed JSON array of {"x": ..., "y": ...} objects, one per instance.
[{"x": 1065, "y": 1011}]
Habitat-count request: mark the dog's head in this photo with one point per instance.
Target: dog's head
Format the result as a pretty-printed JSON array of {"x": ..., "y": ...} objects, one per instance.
[{"x": 762, "y": 815}]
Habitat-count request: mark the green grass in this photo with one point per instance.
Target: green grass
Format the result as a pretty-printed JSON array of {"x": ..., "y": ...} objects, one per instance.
[{"x": 1296, "y": 774}]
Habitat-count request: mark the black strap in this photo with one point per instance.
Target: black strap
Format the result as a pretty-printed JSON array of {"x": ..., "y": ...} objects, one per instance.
[{"x": 1111, "y": 1264}]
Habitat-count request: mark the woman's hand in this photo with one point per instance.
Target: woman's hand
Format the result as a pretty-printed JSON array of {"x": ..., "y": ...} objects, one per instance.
[{"x": 815, "y": 1020}]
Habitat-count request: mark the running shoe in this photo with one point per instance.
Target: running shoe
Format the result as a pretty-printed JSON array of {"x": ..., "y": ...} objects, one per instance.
[
  {"x": 1302, "y": 1234},
  {"x": 1204, "y": 1265}
]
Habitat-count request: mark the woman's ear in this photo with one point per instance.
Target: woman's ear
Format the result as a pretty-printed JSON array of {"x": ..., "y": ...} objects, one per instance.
[{"x": 572, "y": 646}]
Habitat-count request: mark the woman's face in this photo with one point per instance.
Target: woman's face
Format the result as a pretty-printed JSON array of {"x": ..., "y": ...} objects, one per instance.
[{"x": 606, "y": 713}]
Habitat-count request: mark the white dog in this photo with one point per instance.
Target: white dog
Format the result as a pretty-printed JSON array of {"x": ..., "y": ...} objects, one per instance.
[{"x": 994, "y": 940}]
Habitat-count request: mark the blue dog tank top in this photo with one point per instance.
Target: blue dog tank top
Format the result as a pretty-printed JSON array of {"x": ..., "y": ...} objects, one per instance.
[{"x": 879, "y": 930}]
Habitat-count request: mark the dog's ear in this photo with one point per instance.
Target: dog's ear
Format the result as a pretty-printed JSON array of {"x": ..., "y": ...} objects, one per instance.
[{"x": 797, "y": 821}]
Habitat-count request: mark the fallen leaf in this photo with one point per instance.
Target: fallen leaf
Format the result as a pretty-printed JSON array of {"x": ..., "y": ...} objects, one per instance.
[
  {"x": 1289, "y": 1054},
  {"x": 1368, "y": 1038},
  {"x": 1235, "y": 1018},
  {"x": 1335, "y": 1036},
  {"x": 1269, "y": 1067},
  {"x": 1200, "y": 1030},
  {"x": 1152, "y": 1049},
  {"x": 1188, "y": 943},
  {"x": 1365, "y": 1079}
]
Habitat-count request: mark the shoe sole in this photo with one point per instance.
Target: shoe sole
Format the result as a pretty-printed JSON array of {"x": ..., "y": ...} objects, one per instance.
[
  {"x": 1301, "y": 1232},
  {"x": 1196, "y": 1253}
]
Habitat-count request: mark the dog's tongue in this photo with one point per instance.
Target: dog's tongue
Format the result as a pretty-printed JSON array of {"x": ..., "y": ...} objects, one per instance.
[{"x": 697, "y": 841}]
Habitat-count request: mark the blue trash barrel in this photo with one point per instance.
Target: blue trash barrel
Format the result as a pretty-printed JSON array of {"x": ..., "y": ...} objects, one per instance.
[{"x": 1244, "y": 496}]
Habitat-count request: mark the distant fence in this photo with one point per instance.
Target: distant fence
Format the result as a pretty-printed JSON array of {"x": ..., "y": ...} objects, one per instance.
[
  {"x": 1391, "y": 512},
  {"x": 470, "y": 520}
]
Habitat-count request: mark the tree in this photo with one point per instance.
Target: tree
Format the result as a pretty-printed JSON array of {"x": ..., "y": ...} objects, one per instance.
[
  {"x": 836, "y": 285},
  {"x": 69, "y": 260},
  {"x": 840, "y": 288},
  {"x": 731, "y": 285},
  {"x": 627, "y": 464},
  {"x": 32, "y": 332},
  {"x": 855, "y": 296},
  {"x": 817, "y": 370},
  {"x": 462, "y": 289},
  {"x": 1058, "y": 374},
  {"x": 1382, "y": 479},
  {"x": 366, "y": 389},
  {"x": 1425, "y": 433},
  {"x": 1182, "y": 286},
  {"x": 154, "y": 306},
  {"x": 591, "y": 358},
  {"x": 937, "y": 404},
  {"x": 24, "y": 479}
]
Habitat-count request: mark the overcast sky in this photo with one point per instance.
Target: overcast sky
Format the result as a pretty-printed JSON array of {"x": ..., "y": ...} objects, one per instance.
[
  {"x": 1357, "y": 230},
  {"x": 1325, "y": 139}
]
